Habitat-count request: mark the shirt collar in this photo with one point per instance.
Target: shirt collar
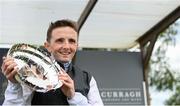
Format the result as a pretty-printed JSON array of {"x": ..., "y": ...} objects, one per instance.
[{"x": 65, "y": 66}]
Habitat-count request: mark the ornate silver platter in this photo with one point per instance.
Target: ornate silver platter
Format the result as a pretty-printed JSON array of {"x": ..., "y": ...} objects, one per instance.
[{"x": 37, "y": 68}]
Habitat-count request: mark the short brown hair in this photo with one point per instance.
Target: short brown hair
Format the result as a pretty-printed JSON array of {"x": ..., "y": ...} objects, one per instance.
[{"x": 61, "y": 23}]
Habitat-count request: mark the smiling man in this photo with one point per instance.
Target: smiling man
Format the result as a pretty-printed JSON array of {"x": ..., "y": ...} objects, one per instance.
[{"x": 79, "y": 87}]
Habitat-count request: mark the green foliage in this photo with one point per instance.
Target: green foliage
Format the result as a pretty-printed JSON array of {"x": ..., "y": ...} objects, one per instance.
[
  {"x": 175, "y": 98},
  {"x": 161, "y": 75}
]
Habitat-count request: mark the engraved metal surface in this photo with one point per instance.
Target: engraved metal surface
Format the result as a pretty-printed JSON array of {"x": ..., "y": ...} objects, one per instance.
[{"x": 37, "y": 69}]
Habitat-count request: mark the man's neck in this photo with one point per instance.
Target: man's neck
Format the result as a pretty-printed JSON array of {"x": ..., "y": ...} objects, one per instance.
[{"x": 65, "y": 65}]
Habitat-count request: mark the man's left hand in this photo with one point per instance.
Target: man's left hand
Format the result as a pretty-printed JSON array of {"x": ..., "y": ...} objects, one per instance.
[{"x": 68, "y": 84}]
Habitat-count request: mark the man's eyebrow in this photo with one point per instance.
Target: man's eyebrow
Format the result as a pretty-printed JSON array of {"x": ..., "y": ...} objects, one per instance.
[{"x": 59, "y": 39}]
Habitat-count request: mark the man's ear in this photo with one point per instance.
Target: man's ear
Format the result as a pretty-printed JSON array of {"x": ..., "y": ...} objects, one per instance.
[{"x": 47, "y": 46}]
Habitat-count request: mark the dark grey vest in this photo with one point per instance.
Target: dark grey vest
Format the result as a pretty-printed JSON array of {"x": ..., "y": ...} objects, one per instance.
[{"x": 56, "y": 97}]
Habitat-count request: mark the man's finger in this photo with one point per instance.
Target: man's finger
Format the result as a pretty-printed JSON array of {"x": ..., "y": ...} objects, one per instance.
[
  {"x": 8, "y": 58},
  {"x": 67, "y": 84},
  {"x": 63, "y": 78},
  {"x": 11, "y": 76},
  {"x": 7, "y": 62},
  {"x": 10, "y": 68}
]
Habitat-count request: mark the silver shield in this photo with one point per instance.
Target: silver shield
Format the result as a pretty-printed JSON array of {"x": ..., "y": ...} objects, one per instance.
[{"x": 37, "y": 69}]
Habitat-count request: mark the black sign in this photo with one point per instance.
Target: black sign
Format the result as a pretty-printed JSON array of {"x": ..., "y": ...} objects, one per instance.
[{"x": 119, "y": 75}]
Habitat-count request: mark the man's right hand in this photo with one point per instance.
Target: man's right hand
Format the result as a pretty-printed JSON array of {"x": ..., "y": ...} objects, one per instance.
[{"x": 9, "y": 68}]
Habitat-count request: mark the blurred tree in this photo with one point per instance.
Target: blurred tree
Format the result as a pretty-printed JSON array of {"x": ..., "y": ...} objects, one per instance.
[{"x": 161, "y": 75}]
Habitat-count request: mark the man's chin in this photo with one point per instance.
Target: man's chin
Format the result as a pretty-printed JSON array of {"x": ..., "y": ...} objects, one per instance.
[{"x": 64, "y": 60}]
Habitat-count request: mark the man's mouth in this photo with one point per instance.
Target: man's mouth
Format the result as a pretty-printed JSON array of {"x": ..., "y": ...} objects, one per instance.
[{"x": 65, "y": 53}]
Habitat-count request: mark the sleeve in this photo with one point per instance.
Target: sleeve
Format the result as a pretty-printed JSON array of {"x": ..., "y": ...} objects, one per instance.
[
  {"x": 16, "y": 94},
  {"x": 93, "y": 97}
]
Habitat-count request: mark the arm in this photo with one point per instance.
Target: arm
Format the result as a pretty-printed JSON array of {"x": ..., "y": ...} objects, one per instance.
[
  {"x": 93, "y": 97},
  {"x": 15, "y": 93}
]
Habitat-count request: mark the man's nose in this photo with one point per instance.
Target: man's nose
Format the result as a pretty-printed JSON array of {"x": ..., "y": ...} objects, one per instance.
[{"x": 66, "y": 44}]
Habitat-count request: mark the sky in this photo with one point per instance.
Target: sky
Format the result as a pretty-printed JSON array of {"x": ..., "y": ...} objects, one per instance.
[{"x": 173, "y": 53}]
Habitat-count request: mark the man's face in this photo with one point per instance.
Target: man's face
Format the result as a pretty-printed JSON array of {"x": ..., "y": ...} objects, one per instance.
[{"x": 63, "y": 43}]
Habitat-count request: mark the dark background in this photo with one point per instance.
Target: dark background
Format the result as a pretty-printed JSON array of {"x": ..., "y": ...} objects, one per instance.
[
  {"x": 3, "y": 81},
  {"x": 115, "y": 72}
]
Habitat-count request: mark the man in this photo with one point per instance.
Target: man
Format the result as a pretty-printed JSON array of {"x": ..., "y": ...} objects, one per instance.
[{"x": 79, "y": 87}]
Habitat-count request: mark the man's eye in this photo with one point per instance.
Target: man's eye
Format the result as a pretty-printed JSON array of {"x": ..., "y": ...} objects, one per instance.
[
  {"x": 60, "y": 40},
  {"x": 72, "y": 41}
]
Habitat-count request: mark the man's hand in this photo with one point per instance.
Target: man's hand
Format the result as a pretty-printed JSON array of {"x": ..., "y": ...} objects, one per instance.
[
  {"x": 8, "y": 68},
  {"x": 68, "y": 84}
]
